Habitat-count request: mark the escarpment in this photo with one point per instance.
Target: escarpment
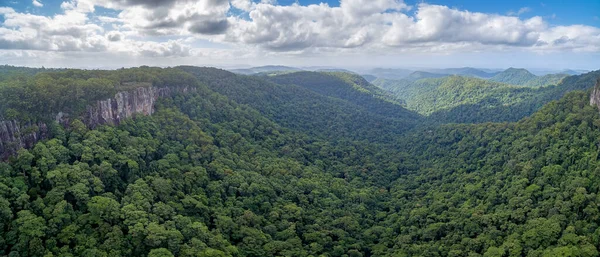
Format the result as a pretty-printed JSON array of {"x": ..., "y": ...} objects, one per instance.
[
  {"x": 15, "y": 135},
  {"x": 595, "y": 96}
]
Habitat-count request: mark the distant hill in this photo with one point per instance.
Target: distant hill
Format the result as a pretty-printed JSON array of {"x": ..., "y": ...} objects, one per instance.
[
  {"x": 573, "y": 72},
  {"x": 471, "y": 100},
  {"x": 430, "y": 73},
  {"x": 350, "y": 87},
  {"x": 8, "y": 71},
  {"x": 264, "y": 69},
  {"x": 427, "y": 96},
  {"x": 368, "y": 77},
  {"x": 334, "y": 70},
  {"x": 523, "y": 77},
  {"x": 424, "y": 75},
  {"x": 390, "y": 73},
  {"x": 466, "y": 71},
  {"x": 514, "y": 76}
]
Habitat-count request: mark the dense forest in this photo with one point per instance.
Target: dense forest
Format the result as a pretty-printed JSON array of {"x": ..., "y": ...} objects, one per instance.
[
  {"x": 301, "y": 164},
  {"x": 462, "y": 99}
]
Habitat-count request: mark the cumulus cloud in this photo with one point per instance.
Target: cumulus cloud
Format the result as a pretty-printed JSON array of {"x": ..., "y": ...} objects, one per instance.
[
  {"x": 155, "y": 28},
  {"x": 169, "y": 17},
  {"x": 383, "y": 23},
  {"x": 436, "y": 23},
  {"x": 209, "y": 27},
  {"x": 114, "y": 36},
  {"x": 66, "y": 32},
  {"x": 37, "y": 3}
]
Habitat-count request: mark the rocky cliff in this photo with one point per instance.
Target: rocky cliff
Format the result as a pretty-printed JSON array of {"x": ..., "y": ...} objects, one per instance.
[
  {"x": 127, "y": 104},
  {"x": 595, "y": 97},
  {"x": 14, "y": 136}
]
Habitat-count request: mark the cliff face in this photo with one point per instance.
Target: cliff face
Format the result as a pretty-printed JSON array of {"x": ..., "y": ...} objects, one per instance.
[
  {"x": 595, "y": 97},
  {"x": 128, "y": 104},
  {"x": 14, "y": 136}
]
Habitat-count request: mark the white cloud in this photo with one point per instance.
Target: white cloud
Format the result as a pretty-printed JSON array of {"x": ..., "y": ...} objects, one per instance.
[
  {"x": 519, "y": 12},
  {"x": 37, "y": 3},
  {"x": 168, "y": 28}
]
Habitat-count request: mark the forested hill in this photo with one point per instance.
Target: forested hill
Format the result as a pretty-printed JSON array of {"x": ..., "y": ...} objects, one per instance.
[
  {"x": 471, "y": 100},
  {"x": 427, "y": 96},
  {"x": 523, "y": 77},
  {"x": 342, "y": 107},
  {"x": 243, "y": 166},
  {"x": 350, "y": 87}
]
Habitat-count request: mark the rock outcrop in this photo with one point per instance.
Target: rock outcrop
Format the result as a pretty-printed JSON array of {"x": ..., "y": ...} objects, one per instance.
[
  {"x": 595, "y": 96},
  {"x": 14, "y": 136},
  {"x": 124, "y": 105}
]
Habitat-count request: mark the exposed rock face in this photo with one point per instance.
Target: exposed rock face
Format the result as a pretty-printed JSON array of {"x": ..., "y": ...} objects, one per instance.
[
  {"x": 125, "y": 105},
  {"x": 595, "y": 97},
  {"x": 140, "y": 101},
  {"x": 14, "y": 136}
]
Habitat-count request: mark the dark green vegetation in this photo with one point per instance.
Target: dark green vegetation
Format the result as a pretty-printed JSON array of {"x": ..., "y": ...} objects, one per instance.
[
  {"x": 343, "y": 111},
  {"x": 304, "y": 164},
  {"x": 522, "y": 77},
  {"x": 43, "y": 95},
  {"x": 471, "y": 100}
]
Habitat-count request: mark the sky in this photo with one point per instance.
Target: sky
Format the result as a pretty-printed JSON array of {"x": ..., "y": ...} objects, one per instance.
[{"x": 547, "y": 34}]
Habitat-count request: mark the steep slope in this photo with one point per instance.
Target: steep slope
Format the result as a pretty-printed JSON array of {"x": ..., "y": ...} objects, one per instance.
[
  {"x": 546, "y": 80},
  {"x": 346, "y": 86},
  {"x": 490, "y": 109},
  {"x": 348, "y": 114},
  {"x": 531, "y": 186}
]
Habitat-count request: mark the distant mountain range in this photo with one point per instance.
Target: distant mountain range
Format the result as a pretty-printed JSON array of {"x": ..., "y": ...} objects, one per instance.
[
  {"x": 465, "y": 99},
  {"x": 262, "y": 69},
  {"x": 512, "y": 76},
  {"x": 466, "y": 71}
]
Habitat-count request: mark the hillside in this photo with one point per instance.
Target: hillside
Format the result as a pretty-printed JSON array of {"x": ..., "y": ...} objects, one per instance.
[
  {"x": 472, "y": 100},
  {"x": 490, "y": 109},
  {"x": 346, "y": 108},
  {"x": 522, "y": 77},
  {"x": 503, "y": 189},
  {"x": 514, "y": 76},
  {"x": 347, "y": 86},
  {"x": 427, "y": 96}
]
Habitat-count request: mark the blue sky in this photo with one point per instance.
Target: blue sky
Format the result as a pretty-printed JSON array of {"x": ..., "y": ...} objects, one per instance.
[
  {"x": 559, "y": 12},
  {"x": 492, "y": 34}
]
